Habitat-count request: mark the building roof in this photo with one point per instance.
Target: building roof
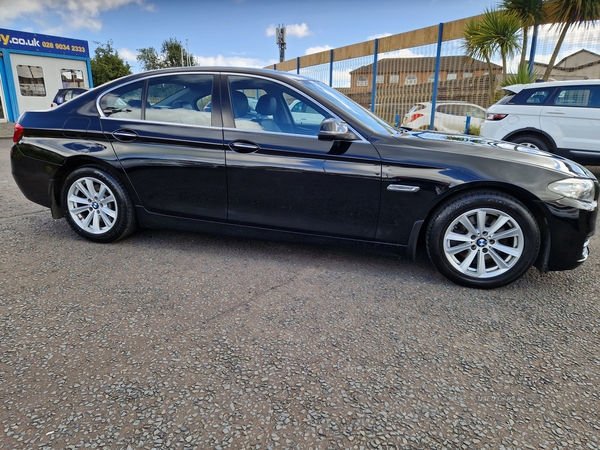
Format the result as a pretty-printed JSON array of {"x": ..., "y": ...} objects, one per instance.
[
  {"x": 426, "y": 64},
  {"x": 564, "y": 65}
]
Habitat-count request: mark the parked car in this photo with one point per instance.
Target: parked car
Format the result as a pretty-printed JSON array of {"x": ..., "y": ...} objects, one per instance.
[
  {"x": 66, "y": 94},
  {"x": 138, "y": 151},
  {"x": 561, "y": 117},
  {"x": 450, "y": 117},
  {"x": 304, "y": 114}
]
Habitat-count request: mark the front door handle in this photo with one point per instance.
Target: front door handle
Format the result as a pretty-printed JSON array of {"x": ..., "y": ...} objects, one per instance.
[{"x": 243, "y": 147}]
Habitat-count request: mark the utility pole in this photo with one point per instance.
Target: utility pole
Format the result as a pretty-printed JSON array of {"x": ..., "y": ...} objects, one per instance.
[{"x": 280, "y": 39}]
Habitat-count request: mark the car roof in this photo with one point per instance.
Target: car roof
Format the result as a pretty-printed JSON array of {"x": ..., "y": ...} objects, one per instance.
[
  {"x": 228, "y": 69},
  {"x": 516, "y": 88}
]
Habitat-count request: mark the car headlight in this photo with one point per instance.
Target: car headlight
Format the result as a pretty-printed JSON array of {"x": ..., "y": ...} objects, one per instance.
[{"x": 577, "y": 192}]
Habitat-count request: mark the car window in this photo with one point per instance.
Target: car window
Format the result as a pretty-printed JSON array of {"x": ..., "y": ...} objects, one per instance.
[
  {"x": 176, "y": 99},
  {"x": 535, "y": 97},
  {"x": 264, "y": 105},
  {"x": 578, "y": 96},
  {"x": 124, "y": 101}
]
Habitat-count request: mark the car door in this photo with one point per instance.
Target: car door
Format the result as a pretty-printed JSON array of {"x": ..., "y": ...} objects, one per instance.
[
  {"x": 280, "y": 175},
  {"x": 572, "y": 118},
  {"x": 171, "y": 150}
]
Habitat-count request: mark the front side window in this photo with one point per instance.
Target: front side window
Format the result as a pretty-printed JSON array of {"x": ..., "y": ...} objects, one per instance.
[
  {"x": 263, "y": 105},
  {"x": 72, "y": 78},
  {"x": 31, "y": 81}
]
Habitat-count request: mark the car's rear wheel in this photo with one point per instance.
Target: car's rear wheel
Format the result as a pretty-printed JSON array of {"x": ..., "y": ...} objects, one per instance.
[
  {"x": 97, "y": 206},
  {"x": 485, "y": 239},
  {"x": 531, "y": 141}
]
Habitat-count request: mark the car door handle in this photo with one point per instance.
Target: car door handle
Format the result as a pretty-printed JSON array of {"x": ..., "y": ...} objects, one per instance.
[
  {"x": 243, "y": 147},
  {"x": 125, "y": 135},
  {"x": 558, "y": 113}
]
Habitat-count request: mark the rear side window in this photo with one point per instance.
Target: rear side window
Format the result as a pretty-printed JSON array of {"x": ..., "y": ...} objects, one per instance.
[
  {"x": 124, "y": 102},
  {"x": 578, "y": 96},
  {"x": 534, "y": 97}
]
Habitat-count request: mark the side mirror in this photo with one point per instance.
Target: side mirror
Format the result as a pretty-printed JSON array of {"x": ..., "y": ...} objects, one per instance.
[{"x": 336, "y": 130}]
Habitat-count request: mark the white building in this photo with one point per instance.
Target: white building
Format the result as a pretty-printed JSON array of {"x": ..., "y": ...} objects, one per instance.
[{"x": 33, "y": 67}]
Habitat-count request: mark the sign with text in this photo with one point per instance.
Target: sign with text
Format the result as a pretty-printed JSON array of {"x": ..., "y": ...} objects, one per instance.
[{"x": 33, "y": 42}]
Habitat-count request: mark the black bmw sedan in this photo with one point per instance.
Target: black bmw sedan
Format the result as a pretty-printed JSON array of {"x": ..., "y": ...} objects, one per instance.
[{"x": 281, "y": 156}]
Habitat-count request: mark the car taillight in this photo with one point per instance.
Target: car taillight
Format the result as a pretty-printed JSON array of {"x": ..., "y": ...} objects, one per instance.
[
  {"x": 18, "y": 132},
  {"x": 415, "y": 117},
  {"x": 492, "y": 116}
]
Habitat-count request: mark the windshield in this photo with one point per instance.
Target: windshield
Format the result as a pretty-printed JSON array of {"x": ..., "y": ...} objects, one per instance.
[{"x": 357, "y": 111}]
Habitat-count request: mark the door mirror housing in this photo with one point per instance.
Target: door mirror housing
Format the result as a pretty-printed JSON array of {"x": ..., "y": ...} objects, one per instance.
[{"x": 336, "y": 130}]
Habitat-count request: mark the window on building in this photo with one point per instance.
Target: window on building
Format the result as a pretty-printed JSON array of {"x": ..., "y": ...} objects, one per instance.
[
  {"x": 362, "y": 81},
  {"x": 380, "y": 79},
  {"x": 451, "y": 76},
  {"x": 410, "y": 79},
  {"x": 31, "y": 81},
  {"x": 431, "y": 78},
  {"x": 467, "y": 74},
  {"x": 71, "y": 78},
  {"x": 394, "y": 79}
]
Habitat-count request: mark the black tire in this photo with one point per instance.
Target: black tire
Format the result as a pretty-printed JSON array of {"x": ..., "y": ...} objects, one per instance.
[
  {"x": 500, "y": 244},
  {"x": 532, "y": 141},
  {"x": 97, "y": 206}
]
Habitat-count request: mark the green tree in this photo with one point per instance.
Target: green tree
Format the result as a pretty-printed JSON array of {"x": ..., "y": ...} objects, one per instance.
[
  {"x": 567, "y": 13},
  {"x": 478, "y": 48},
  {"x": 530, "y": 12},
  {"x": 172, "y": 54},
  {"x": 496, "y": 31},
  {"x": 107, "y": 65}
]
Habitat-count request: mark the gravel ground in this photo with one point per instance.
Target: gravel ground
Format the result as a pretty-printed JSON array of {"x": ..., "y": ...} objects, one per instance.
[{"x": 177, "y": 340}]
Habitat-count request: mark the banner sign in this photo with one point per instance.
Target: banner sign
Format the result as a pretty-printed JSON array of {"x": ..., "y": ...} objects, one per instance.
[{"x": 33, "y": 42}]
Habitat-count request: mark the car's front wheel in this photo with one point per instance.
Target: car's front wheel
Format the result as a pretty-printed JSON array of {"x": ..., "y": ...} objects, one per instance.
[
  {"x": 484, "y": 239},
  {"x": 97, "y": 206}
]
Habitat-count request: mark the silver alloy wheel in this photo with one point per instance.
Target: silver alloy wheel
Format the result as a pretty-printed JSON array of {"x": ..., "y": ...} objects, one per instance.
[
  {"x": 529, "y": 145},
  {"x": 92, "y": 205},
  {"x": 483, "y": 243}
]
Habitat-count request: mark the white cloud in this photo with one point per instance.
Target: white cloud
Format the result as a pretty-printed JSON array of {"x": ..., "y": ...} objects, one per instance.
[
  {"x": 378, "y": 36},
  {"x": 237, "y": 61},
  {"x": 74, "y": 15},
  {"x": 404, "y": 53},
  {"x": 296, "y": 30},
  {"x": 127, "y": 55},
  {"x": 317, "y": 49}
]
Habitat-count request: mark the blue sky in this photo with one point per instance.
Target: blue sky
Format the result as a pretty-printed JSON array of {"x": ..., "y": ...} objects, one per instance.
[{"x": 230, "y": 32}]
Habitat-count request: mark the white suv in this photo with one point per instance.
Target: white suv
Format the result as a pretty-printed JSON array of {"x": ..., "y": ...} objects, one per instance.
[{"x": 561, "y": 117}]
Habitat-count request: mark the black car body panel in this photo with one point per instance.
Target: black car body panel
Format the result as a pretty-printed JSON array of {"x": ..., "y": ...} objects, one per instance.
[{"x": 381, "y": 189}]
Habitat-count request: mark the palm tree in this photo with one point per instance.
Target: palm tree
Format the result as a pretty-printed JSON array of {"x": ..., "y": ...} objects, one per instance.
[
  {"x": 496, "y": 31},
  {"x": 476, "y": 47},
  {"x": 530, "y": 12},
  {"x": 564, "y": 14}
]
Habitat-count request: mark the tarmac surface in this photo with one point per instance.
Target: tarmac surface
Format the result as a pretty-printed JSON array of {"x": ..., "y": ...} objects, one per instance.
[
  {"x": 170, "y": 340},
  {"x": 6, "y": 129}
]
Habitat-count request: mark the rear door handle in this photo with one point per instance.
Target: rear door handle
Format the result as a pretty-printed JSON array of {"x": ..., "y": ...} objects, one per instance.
[{"x": 125, "y": 135}]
